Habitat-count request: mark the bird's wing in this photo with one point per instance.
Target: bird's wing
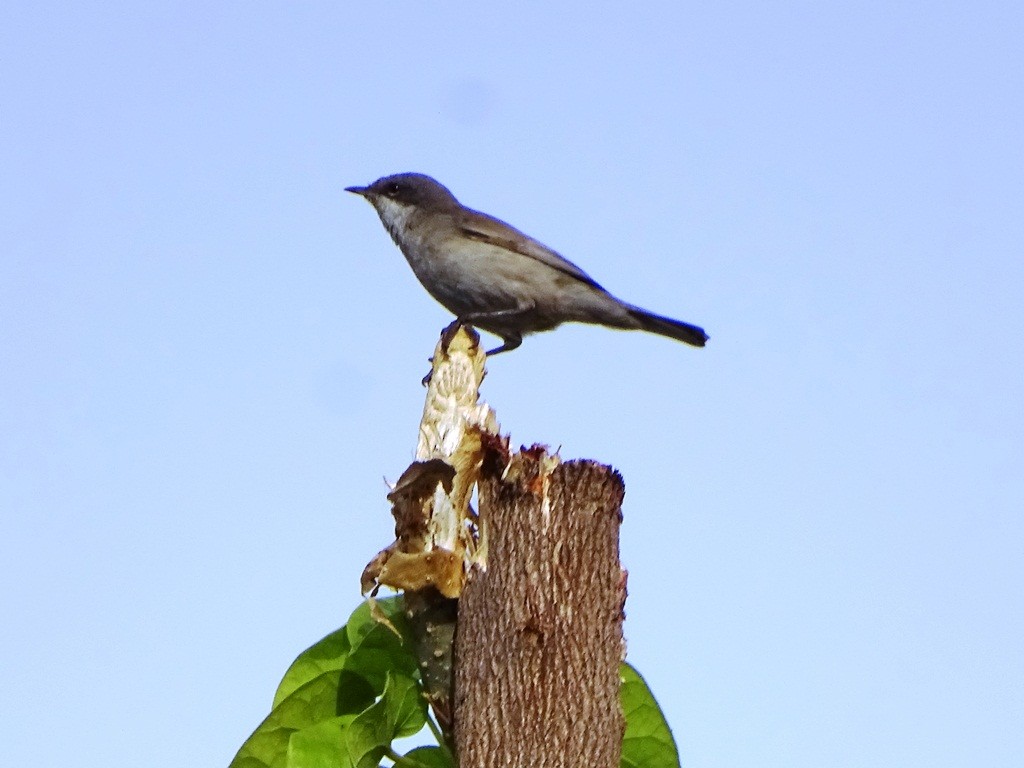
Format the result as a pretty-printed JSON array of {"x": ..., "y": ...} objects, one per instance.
[{"x": 487, "y": 229}]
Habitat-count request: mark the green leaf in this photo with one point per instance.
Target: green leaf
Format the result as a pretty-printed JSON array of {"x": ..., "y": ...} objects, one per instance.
[
  {"x": 334, "y": 683},
  {"x": 313, "y": 703},
  {"x": 408, "y": 708},
  {"x": 400, "y": 711},
  {"x": 375, "y": 650},
  {"x": 375, "y": 664},
  {"x": 363, "y": 646},
  {"x": 328, "y": 654},
  {"x": 648, "y": 742},
  {"x": 320, "y": 745},
  {"x": 306, "y": 730},
  {"x": 426, "y": 757},
  {"x": 362, "y": 625}
]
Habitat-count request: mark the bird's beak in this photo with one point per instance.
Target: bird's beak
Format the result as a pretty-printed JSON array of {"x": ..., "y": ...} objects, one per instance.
[{"x": 363, "y": 191}]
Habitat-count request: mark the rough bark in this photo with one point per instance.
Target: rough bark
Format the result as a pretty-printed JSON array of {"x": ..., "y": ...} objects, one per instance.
[{"x": 539, "y": 637}]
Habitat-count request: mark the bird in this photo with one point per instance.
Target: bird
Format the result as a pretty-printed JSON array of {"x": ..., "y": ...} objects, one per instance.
[{"x": 494, "y": 277}]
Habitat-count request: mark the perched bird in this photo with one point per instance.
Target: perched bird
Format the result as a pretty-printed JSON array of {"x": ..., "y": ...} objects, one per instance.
[{"x": 492, "y": 276}]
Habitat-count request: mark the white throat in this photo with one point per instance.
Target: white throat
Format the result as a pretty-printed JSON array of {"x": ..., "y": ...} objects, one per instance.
[{"x": 395, "y": 217}]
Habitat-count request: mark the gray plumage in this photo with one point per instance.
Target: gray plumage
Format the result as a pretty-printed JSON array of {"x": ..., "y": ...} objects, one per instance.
[{"x": 491, "y": 275}]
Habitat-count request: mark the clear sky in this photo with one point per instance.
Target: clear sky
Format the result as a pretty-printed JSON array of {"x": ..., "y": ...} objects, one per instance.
[{"x": 210, "y": 354}]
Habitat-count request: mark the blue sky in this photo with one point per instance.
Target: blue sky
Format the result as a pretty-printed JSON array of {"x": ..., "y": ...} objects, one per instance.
[{"x": 210, "y": 354}]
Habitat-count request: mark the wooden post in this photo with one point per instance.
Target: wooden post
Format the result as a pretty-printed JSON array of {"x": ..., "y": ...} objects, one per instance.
[
  {"x": 539, "y": 637},
  {"x": 536, "y": 575}
]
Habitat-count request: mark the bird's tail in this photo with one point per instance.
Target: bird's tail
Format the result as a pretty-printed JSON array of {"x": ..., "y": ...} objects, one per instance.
[{"x": 666, "y": 326}]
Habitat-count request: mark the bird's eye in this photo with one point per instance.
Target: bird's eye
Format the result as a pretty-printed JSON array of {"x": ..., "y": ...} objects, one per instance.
[{"x": 394, "y": 188}]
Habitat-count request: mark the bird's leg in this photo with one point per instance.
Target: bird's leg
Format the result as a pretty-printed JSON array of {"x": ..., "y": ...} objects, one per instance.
[
  {"x": 500, "y": 317},
  {"x": 511, "y": 342}
]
